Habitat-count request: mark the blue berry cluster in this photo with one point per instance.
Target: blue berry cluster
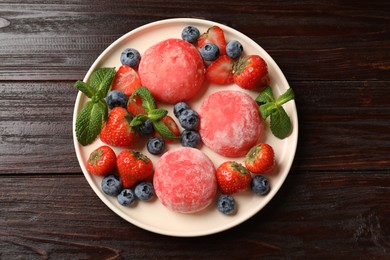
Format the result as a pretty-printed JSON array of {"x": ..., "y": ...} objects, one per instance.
[
  {"x": 189, "y": 120},
  {"x": 112, "y": 185}
]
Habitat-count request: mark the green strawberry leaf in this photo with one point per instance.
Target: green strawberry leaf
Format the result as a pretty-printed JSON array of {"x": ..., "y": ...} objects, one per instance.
[
  {"x": 280, "y": 123},
  {"x": 146, "y": 97},
  {"x": 157, "y": 114},
  {"x": 101, "y": 81},
  {"x": 90, "y": 121},
  {"x": 164, "y": 131},
  {"x": 85, "y": 88}
]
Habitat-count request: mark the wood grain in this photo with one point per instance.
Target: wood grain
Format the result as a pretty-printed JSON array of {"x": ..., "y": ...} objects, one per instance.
[
  {"x": 334, "y": 203},
  {"x": 309, "y": 41},
  {"x": 316, "y": 215}
]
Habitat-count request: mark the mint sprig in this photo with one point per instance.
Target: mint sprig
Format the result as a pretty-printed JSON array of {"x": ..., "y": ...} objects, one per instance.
[
  {"x": 152, "y": 113},
  {"x": 92, "y": 116},
  {"x": 280, "y": 123}
]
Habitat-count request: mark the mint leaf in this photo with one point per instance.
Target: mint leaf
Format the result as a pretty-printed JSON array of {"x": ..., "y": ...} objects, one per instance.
[
  {"x": 285, "y": 97},
  {"x": 157, "y": 114},
  {"x": 265, "y": 96},
  {"x": 90, "y": 121},
  {"x": 164, "y": 131},
  {"x": 280, "y": 123},
  {"x": 146, "y": 97},
  {"x": 101, "y": 81},
  {"x": 138, "y": 120},
  {"x": 85, "y": 88}
]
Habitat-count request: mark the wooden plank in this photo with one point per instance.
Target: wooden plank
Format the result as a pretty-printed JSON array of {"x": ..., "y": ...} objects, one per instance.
[
  {"x": 349, "y": 130},
  {"x": 309, "y": 41},
  {"x": 315, "y": 214}
]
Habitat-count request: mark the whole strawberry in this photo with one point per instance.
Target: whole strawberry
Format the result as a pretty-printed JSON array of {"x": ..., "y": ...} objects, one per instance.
[
  {"x": 133, "y": 167},
  {"x": 260, "y": 159},
  {"x": 117, "y": 131},
  {"x": 233, "y": 177},
  {"x": 251, "y": 72},
  {"x": 101, "y": 161}
]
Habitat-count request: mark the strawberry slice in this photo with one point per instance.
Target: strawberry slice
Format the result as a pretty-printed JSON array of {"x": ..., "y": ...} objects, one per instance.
[
  {"x": 171, "y": 124},
  {"x": 220, "y": 71},
  {"x": 213, "y": 35},
  {"x": 134, "y": 106},
  {"x": 126, "y": 79}
]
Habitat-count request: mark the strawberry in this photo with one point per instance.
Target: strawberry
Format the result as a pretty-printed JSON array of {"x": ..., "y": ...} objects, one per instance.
[
  {"x": 133, "y": 167},
  {"x": 260, "y": 159},
  {"x": 220, "y": 71},
  {"x": 102, "y": 161},
  {"x": 213, "y": 35},
  {"x": 171, "y": 124},
  {"x": 126, "y": 79},
  {"x": 233, "y": 177},
  {"x": 117, "y": 131},
  {"x": 251, "y": 72},
  {"x": 134, "y": 106}
]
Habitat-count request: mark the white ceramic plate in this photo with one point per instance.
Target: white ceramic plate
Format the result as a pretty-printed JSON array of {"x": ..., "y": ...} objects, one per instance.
[{"x": 153, "y": 216}]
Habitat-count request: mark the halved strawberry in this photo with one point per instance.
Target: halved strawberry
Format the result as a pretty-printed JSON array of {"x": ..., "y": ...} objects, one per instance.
[
  {"x": 134, "y": 106},
  {"x": 220, "y": 71},
  {"x": 213, "y": 35},
  {"x": 126, "y": 79},
  {"x": 171, "y": 124}
]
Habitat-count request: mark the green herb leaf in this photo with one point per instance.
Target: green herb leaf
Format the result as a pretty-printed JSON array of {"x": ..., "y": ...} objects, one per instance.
[
  {"x": 138, "y": 120},
  {"x": 157, "y": 114},
  {"x": 265, "y": 96},
  {"x": 146, "y": 97},
  {"x": 85, "y": 88},
  {"x": 285, "y": 97},
  {"x": 164, "y": 131},
  {"x": 101, "y": 81},
  {"x": 90, "y": 121},
  {"x": 280, "y": 123}
]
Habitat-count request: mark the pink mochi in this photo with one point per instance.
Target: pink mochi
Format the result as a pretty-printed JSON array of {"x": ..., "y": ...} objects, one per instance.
[
  {"x": 230, "y": 123},
  {"x": 184, "y": 180},
  {"x": 172, "y": 70}
]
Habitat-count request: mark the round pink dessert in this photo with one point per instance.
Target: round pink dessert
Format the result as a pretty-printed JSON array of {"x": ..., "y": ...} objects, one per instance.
[
  {"x": 230, "y": 123},
  {"x": 172, "y": 70},
  {"x": 184, "y": 180}
]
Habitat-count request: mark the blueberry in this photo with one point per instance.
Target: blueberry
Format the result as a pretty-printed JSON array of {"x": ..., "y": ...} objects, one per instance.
[
  {"x": 111, "y": 185},
  {"x": 144, "y": 191},
  {"x": 155, "y": 145},
  {"x": 189, "y": 119},
  {"x": 146, "y": 128},
  {"x": 226, "y": 204},
  {"x": 130, "y": 57},
  {"x": 126, "y": 197},
  {"x": 190, "y": 34},
  {"x": 260, "y": 185},
  {"x": 234, "y": 49},
  {"x": 116, "y": 98},
  {"x": 209, "y": 52},
  {"x": 179, "y": 108},
  {"x": 190, "y": 138}
]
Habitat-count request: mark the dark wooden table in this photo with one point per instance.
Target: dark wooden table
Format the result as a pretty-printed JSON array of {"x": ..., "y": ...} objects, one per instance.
[{"x": 335, "y": 202}]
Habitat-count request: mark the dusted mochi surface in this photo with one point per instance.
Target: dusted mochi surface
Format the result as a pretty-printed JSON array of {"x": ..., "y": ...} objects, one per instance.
[
  {"x": 172, "y": 70},
  {"x": 230, "y": 123},
  {"x": 184, "y": 180}
]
